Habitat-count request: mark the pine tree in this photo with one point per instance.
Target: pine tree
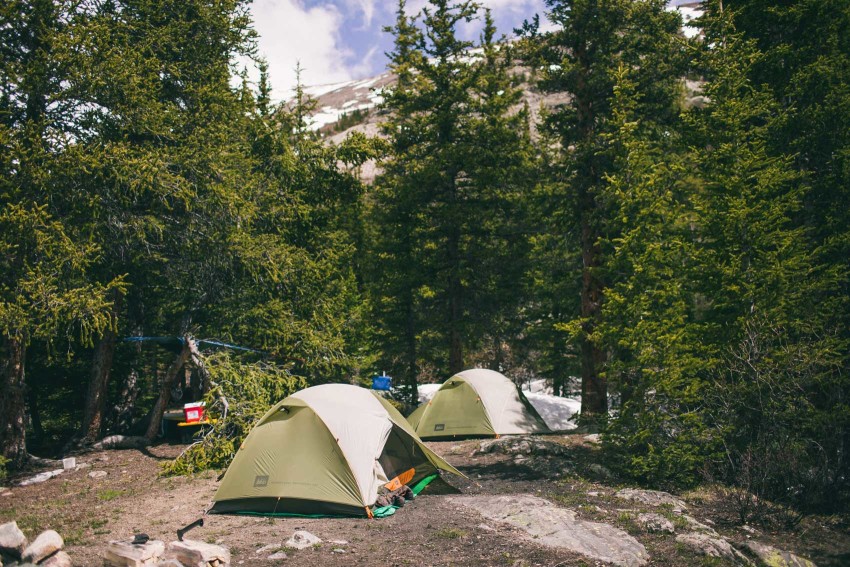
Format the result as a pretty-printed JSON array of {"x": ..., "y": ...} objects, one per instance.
[
  {"x": 590, "y": 42},
  {"x": 447, "y": 204}
]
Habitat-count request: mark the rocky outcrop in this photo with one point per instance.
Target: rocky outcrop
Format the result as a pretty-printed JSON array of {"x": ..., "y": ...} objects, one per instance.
[
  {"x": 772, "y": 557},
  {"x": 552, "y": 526},
  {"x": 652, "y": 498},
  {"x": 655, "y": 523},
  {"x": 704, "y": 544},
  {"x": 521, "y": 446}
]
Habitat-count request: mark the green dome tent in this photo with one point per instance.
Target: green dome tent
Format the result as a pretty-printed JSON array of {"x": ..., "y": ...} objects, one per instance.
[
  {"x": 325, "y": 450},
  {"x": 477, "y": 403}
]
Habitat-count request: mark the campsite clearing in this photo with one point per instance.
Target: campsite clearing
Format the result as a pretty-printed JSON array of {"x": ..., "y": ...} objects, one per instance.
[{"x": 432, "y": 530}]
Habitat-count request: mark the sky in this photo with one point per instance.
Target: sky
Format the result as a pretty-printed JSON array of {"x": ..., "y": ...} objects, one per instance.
[{"x": 341, "y": 40}]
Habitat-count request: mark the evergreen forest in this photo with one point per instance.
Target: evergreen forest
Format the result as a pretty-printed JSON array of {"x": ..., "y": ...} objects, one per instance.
[{"x": 670, "y": 241}]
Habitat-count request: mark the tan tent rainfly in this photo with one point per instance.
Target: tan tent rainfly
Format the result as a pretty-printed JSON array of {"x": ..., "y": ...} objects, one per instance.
[
  {"x": 477, "y": 403},
  {"x": 325, "y": 450}
]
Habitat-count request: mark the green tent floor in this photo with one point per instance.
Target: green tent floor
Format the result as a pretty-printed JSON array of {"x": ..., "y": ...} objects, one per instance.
[{"x": 382, "y": 512}]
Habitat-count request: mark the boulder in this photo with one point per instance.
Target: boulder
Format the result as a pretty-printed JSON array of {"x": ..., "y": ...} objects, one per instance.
[
  {"x": 126, "y": 554},
  {"x": 553, "y": 526},
  {"x": 711, "y": 546},
  {"x": 652, "y": 498},
  {"x": 655, "y": 523},
  {"x": 696, "y": 526},
  {"x": 302, "y": 539},
  {"x": 58, "y": 559},
  {"x": 775, "y": 557},
  {"x": 47, "y": 543},
  {"x": 193, "y": 553},
  {"x": 12, "y": 540}
]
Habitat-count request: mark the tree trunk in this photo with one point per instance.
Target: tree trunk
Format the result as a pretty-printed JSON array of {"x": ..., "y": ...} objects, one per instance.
[
  {"x": 168, "y": 382},
  {"x": 455, "y": 292},
  {"x": 13, "y": 445},
  {"x": 99, "y": 380},
  {"x": 594, "y": 386},
  {"x": 35, "y": 415},
  {"x": 412, "y": 382}
]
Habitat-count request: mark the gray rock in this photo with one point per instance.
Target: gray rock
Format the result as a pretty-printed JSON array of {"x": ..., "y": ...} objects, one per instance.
[
  {"x": 711, "y": 546},
  {"x": 592, "y": 438},
  {"x": 121, "y": 442},
  {"x": 12, "y": 540},
  {"x": 775, "y": 557},
  {"x": 302, "y": 539},
  {"x": 655, "y": 523},
  {"x": 125, "y": 554},
  {"x": 486, "y": 528},
  {"x": 600, "y": 471},
  {"x": 97, "y": 474},
  {"x": 58, "y": 559},
  {"x": 277, "y": 556},
  {"x": 193, "y": 553},
  {"x": 82, "y": 466},
  {"x": 696, "y": 526},
  {"x": 41, "y": 477},
  {"x": 338, "y": 550},
  {"x": 267, "y": 548},
  {"x": 552, "y": 526},
  {"x": 47, "y": 543},
  {"x": 521, "y": 446},
  {"x": 652, "y": 498}
]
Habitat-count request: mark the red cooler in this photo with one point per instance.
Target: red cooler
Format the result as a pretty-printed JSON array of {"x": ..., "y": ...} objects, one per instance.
[{"x": 194, "y": 412}]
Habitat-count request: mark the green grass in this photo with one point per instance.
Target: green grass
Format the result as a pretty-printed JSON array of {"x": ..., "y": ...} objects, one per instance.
[
  {"x": 451, "y": 533},
  {"x": 109, "y": 494}
]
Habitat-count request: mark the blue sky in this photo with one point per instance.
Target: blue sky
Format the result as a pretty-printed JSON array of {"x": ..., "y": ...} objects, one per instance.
[{"x": 341, "y": 40}]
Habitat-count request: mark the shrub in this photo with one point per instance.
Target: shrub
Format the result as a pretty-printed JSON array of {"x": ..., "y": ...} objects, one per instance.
[
  {"x": 3, "y": 473},
  {"x": 241, "y": 394}
]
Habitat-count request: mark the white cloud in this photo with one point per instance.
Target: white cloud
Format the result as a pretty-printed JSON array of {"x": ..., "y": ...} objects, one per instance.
[
  {"x": 290, "y": 33},
  {"x": 367, "y": 7}
]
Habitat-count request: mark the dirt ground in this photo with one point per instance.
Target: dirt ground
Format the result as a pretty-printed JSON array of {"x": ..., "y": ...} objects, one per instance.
[{"x": 132, "y": 498}]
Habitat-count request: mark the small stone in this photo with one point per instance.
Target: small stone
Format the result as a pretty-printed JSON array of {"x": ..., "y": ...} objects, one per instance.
[
  {"x": 486, "y": 528},
  {"x": 338, "y": 550},
  {"x": 267, "y": 548},
  {"x": 302, "y": 539},
  {"x": 97, "y": 474},
  {"x": 47, "y": 543},
  {"x": 58, "y": 559},
  {"x": 277, "y": 556},
  {"x": 69, "y": 463},
  {"x": 7, "y": 493},
  {"x": 338, "y": 541},
  {"x": 12, "y": 540},
  {"x": 592, "y": 438},
  {"x": 595, "y": 493},
  {"x": 82, "y": 466},
  {"x": 776, "y": 557},
  {"x": 656, "y": 523}
]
